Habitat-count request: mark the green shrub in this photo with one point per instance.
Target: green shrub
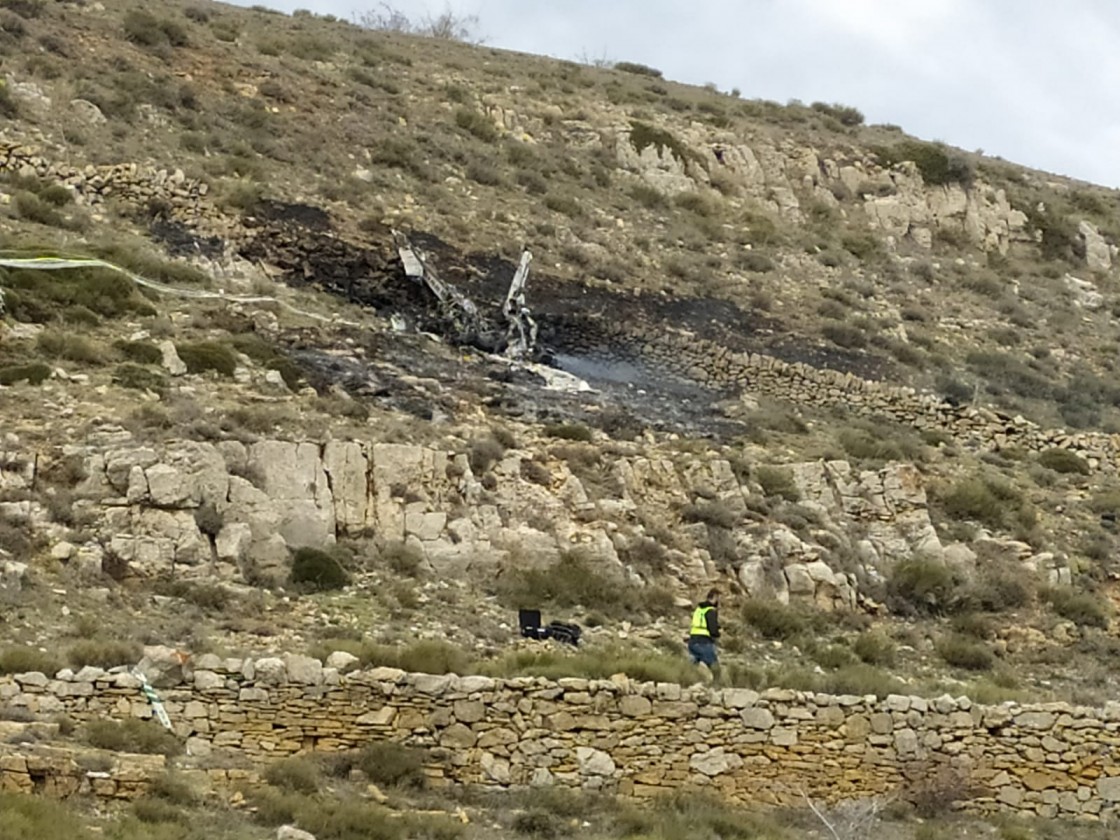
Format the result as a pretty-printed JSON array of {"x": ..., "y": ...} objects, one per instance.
[
  {"x": 31, "y": 208},
  {"x": 201, "y": 356},
  {"x": 476, "y": 124},
  {"x": 570, "y": 581},
  {"x": 9, "y": 106},
  {"x": 569, "y": 431},
  {"x": 395, "y": 765},
  {"x": 648, "y": 196},
  {"x": 352, "y": 819},
  {"x": 141, "y": 352},
  {"x": 844, "y": 335},
  {"x": 34, "y": 296},
  {"x": 27, "y": 9},
  {"x": 210, "y": 597},
  {"x": 923, "y": 587},
  {"x": 56, "y": 195},
  {"x": 74, "y": 348},
  {"x": 643, "y": 134},
  {"x": 936, "y": 165},
  {"x": 484, "y": 173},
  {"x": 146, "y": 30},
  {"x": 1001, "y": 587},
  {"x": 566, "y": 204},
  {"x": 171, "y": 788},
  {"x": 484, "y": 453},
  {"x": 862, "y": 246},
  {"x": 694, "y": 814},
  {"x": 717, "y": 514},
  {"x": 756, "y": 262},
  {"x": 132, "y": 736},
  {"x": 537, "y": 823},
  {"x": 402, "y": 558},
  {"x": 298, "y": 774},
  {"x": 861, "y": 678},
  {"x": 140, "y": 378},
  {"x": 696, "y": 203},
  {"x": 317, "y": 569},
  {"x": 103, "y": 653},
  {"x": 427, "y": 656},
  {"x": 1082, "y": 608},
  {"x": 156, "y": 811},
  {"x": 36, "y": 817},
  {"x": 80, "y": 316},
  {"x": 637, "y": 69},
  {"x": 595, "y": 665},
  {"x": 19, "y": 659},
  {"x": 775, "y": 620},
  {"x": 844, "y": 114},
  {"x": 963, "y": 652},
  {"x": 874, "y": 648},
  {"x": 987, "y": 500},
  {"x": 973, "y": 625},
  {"x": 862, "y": 444},
  {"x": 833, "y": 656},
  {"x": 1063, "y": 461},
  {"x": 778, "y": 481},
  {"x": 34, "y": 374}
]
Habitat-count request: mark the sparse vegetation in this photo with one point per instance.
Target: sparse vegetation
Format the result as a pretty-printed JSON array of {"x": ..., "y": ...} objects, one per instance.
[
  {"x": 133, "y": 736},
  {"x": 1082, "y": 608},
  {"x": 637, "y": 69},
  {"x": 774, "y": 620},
  {"x": 401, "y": 133},
  {"x": 1063, "y": 461},
  {"x": 936, "y": 164},
  {"x": 20, "y": 659},
  {"x": 963, "y": 652},
  {"x": 923, "y": 587},
  {"x": 318, "y": 569},
  {"x": 203, "y": 356},
  {"x": 476, "y": 124},
  {"x": 147, "y": 30},
  {"x": 778, "y": 481}
]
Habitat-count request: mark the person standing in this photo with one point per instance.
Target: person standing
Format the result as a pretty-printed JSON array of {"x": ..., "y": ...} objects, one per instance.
[{"x": 704, "y": 633}]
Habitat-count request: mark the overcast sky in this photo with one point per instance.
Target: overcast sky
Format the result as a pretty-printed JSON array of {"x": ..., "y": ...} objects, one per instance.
[{"x": 1036, "y": 82}]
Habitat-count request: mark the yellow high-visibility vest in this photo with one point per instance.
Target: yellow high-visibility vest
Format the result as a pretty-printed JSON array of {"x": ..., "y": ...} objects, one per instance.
[{"x": 700, "y": 622}]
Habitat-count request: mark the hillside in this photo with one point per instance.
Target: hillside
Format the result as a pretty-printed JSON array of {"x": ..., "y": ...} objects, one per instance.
[{"x": 861, "y": 382}]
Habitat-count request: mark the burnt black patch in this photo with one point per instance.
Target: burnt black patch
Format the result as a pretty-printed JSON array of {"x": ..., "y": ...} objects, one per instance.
[
  {"x": 302, "y": 215},
  {"x": 180, "y": 241}
]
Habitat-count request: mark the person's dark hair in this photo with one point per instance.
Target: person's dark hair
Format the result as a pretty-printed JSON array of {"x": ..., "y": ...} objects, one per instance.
[{"x": 712, "y": 593}]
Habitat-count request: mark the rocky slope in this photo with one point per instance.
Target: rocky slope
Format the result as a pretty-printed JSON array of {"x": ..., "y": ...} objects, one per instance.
[{"x": 822, "y": 365}]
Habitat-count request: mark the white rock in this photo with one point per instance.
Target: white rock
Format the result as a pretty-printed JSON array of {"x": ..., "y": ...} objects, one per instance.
[
  {"x": 270, "y": 671},
  {"x": 305, "y": 670},
  {"x": 171, "y": 361},
  {"x": 340, "y": 660},
  {"x": 290, "y": 832},
  {"x": 593, "y": 762},
  {"x": 714, "y": 762}
]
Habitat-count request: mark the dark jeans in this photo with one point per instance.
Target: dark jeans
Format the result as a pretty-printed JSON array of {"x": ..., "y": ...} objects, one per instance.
[{"x": 702, "y": 650}]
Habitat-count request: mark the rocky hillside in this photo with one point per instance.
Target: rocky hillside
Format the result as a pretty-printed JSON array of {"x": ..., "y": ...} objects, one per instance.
[{"x": 860, "y": 381}]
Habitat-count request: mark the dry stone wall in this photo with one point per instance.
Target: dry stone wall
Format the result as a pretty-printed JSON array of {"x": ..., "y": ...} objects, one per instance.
[
  {"x": 693, "y": 359},
  {"x": 95, "y": 184},
  {"x": 636, "y": 739}
]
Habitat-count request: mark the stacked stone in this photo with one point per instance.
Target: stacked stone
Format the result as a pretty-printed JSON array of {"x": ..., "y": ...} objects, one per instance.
[
  {"x": 637, "y": 739},
  {"x": 62, "y": 772},
  {"x": 94, "y": 184},
  {"x": 712, "y": 365}
]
